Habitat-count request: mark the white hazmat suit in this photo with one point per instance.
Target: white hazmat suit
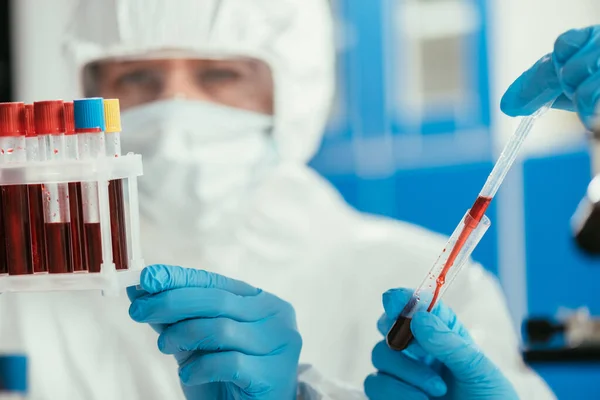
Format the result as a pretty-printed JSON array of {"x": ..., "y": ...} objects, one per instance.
[{"x": 270, "y": 220}]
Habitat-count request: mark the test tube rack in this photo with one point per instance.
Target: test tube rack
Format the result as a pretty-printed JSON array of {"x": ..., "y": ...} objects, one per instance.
[{"x": 101, "y": 170}]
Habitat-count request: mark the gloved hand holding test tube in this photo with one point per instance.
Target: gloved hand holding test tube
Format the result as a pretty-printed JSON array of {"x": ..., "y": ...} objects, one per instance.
[{"x": 463, "y": 241}]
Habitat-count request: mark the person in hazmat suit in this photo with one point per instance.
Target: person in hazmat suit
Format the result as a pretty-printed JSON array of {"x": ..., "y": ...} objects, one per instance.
[{"x": 227, "y": 101}]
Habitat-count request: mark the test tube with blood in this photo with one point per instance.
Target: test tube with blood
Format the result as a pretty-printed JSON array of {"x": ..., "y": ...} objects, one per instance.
[
  {"x": 49, "y": 120},
  {"x": 75, "y": 201},
  {"x": 15, "y": 198},
  {"x": 115, "y": 187},
  {"x": 36, "y": 207},
  {"x": 89, "y": 127}
]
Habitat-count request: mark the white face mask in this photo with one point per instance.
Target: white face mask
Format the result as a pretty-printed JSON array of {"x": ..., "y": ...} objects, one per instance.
[{"x": 199, "y": 159}]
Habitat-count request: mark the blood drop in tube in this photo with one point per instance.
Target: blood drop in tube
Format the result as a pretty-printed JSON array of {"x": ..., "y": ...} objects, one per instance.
[
  {"x": 36, "y": 207},
  {"x": 15, "y": 198},
  {"x": 89, "y": 126},
  {"x": 118, "y": 226},
  {"x": 75, "y": 201},
  {"x": 50, "y": 127}
]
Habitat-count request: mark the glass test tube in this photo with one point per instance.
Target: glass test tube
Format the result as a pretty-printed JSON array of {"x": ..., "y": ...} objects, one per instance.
[
  {"x": 3, "y": 262},
  {"x": 441, "y": 275},
  {"x": 118, "y": 223},
  {"x": 75, "y": 197},
  {"x": 89, "y": 126},
  {"x": 36, "y": 207},
  {"x": 15, "y": 198},
  {"x": 50, "y": 127}
]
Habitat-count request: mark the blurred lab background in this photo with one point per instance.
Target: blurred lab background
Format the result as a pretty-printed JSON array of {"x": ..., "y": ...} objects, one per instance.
[{"x": 416, "y": 128}]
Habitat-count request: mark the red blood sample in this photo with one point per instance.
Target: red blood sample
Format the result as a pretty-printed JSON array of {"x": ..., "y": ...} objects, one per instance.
[
  {"x": 15, "y": 199},
  {"x": 49, "y": 119},
  {"x": 58, "y": 242},
  {"x": 479, "y": 207},
  {"x": 15, "y": 205},
  {"x": 93, "y": 239},
  {"x": 399, "y": 337},
  {"x": 36, "y": 207},
  {"x": 75, "y": 200},
  {"x": 117, "y": 224},
  {"x": 476, "y": 213},
  {"x": 79, "y": 264},
  {"x": 38, "y": 229}
]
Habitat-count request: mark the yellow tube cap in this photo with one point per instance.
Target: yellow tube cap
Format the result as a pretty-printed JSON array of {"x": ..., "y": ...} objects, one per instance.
[{"x": 112, "y": 115}]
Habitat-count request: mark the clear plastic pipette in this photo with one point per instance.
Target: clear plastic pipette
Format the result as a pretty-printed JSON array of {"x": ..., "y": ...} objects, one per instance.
[
  {"x": 509, "y": 154},
  {"x": 463, "y": 241}
]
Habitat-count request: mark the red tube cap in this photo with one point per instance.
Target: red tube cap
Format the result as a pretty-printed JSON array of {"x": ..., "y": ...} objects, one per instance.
[
  {"x": 49, "y": 117},
  {"x": 69, "y": 118},
  {"x": 12, "y": 119},
  {"x": 29, "y": 122}
]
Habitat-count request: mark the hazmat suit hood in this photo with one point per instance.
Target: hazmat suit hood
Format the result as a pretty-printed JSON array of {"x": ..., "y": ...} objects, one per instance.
[{"x": 294, "y": 37}]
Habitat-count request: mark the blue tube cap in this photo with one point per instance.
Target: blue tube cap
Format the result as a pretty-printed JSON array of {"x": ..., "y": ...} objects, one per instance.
[
  {"x": 89, "y": 114},
  {"x": 13, "y": 373}
]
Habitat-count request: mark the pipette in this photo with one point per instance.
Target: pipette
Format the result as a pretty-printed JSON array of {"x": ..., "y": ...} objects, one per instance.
[{"x": 463, "y": 241}]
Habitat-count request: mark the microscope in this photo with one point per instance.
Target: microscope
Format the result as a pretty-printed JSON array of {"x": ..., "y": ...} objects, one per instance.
[
  {"x": 572, "y": 337},
  {"x": 586, "y": 220}
]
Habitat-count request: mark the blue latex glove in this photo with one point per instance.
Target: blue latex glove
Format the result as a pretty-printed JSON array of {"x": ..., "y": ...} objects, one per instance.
[
  {"x": 442, "y": 361},
  {"x": 571, "y": 73},
  {"x": 231, "y": 340}
]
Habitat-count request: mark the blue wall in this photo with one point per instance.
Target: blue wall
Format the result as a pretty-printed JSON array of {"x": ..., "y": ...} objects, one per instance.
[
  {"x": 558, "y": 275},
  {"x": 421, "y": 195},
  {"x": 414, "y": 179}
]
